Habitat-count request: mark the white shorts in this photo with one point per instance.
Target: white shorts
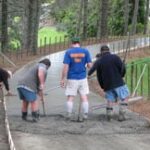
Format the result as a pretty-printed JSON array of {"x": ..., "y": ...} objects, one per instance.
[{"x": 77, "y": 86}]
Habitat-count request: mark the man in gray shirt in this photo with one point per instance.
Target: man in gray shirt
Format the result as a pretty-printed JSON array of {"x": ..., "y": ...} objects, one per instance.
[{"x": 31, "y": 85}]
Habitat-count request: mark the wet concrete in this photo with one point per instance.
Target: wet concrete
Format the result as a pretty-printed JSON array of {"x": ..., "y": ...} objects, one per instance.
[{"x": 56, "y": 133}]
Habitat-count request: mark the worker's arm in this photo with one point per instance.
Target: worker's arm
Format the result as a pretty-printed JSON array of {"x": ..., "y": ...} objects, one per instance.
[
  {"x": 41, "y": 77},
  {"x": 92, "y": 69},
  {"x": 64, "y": 74},
  {"x": 89, "y": 65}
]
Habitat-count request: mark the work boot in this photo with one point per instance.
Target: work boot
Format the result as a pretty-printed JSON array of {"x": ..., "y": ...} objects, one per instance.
[
  {"x": 122, "y": 111},
  {"x": 35, "y": 116},
  {"x": 109, "y": 113},
  {"x": 24, "y": 116}
]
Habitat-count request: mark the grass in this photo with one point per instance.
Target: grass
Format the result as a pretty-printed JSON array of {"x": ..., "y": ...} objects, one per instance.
[{"x": 49, "y": 35}]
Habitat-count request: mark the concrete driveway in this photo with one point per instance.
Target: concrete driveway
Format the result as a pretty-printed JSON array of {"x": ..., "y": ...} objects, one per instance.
[{"x": 54, "y": 132}]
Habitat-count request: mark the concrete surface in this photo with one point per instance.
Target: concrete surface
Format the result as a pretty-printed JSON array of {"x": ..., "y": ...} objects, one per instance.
[{"x": 53, "y": 132}]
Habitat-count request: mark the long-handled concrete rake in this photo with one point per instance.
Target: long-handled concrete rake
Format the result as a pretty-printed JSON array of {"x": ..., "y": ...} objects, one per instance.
[
  {"x": 51, "y": 89},
  {"x": 43, "y": 105}
]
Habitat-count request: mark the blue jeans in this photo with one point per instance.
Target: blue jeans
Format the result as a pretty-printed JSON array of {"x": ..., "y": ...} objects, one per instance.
[
  {"x": 120, "y": 93},
  {"x": 26, "y": 95}
]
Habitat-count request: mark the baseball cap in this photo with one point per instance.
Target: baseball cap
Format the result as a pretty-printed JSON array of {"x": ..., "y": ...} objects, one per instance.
[
  {"x": 104, "y": 48},
  {"x": 75, "y": 39}
]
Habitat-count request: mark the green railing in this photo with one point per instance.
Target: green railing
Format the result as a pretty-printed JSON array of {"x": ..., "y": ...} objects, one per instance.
[{"x": 138, "y": 77}]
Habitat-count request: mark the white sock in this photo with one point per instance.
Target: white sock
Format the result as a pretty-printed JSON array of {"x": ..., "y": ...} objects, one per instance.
[
  {"x": 85, "y": 107},
  {"x": 69, "y": 106}
]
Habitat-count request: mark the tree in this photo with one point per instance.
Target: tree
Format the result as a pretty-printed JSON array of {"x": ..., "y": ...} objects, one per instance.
[
  {"x": 79, "y": 18},
  {"x": 104, "y": 18},
  {"x": 146, "y": 16},
  {"x": 31, "y": 23},
  {"x": 85, "y": 26},
  {"x": 99, "y": 20},
  {"x": 4, "y": 26},
  {"x": 126, "y": 16},
  {"x": 134, "y": 19}
]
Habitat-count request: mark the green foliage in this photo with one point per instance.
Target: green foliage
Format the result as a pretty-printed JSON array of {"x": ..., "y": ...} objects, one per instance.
[
  {"x": 139, "y": 27},
  {"x": 15, "y": 33},
  {"x": 116, "y": 20},
  {"x": 48, "y": 35},
  {"x": 67, "y": 18}
]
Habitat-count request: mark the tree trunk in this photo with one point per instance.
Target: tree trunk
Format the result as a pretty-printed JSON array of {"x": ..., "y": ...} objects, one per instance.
[
  {"x": 104, "y": 17},
  {"x": 134, "y": 20},
  {"x": 126, "y": 16},
  {"x": 80, "y": 18},
  {"x": 35, "y": 25},
  {"x": 146, "y": 16},
  {"x": 31, "y": 24},
  {"x": 4, "y": 27},
  {"x": 99, "y": 20},
  {"x": 85, "y": 19}
]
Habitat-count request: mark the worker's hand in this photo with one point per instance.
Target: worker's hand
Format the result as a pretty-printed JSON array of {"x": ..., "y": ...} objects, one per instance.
[
  {"x": 101, "y": 93},
  {"x": 10, "y": 94},
  {"x": 62, "y": 83},
  {"x": 88, "y": 77},
  {"x": 41, "y": 95}
]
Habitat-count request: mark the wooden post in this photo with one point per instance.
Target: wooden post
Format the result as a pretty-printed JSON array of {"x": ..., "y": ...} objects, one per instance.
[
  {"x": 148, "y": 81},
  {"x": 45, "y": 39},
  {"x": 132, "y": 76},
  {"x": 141, "y": 80}
]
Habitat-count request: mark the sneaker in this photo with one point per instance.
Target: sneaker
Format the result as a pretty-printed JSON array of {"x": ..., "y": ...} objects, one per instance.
[
  {"x": 85, "y": 116},
  {"x": 68, "y": 116}
]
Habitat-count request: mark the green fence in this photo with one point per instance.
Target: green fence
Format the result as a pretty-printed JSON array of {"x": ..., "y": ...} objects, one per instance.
[{"x": 138, "y": 77}]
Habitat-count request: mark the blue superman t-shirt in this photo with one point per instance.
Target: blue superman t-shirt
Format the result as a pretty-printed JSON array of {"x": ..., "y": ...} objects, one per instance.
[{"x": 77, "y": 58}]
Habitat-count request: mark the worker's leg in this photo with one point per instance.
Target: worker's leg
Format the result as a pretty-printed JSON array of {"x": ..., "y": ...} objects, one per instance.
[
  {"x": 123, "y": 94},
  {"x": 25, "y": 103},
  {"x": 35, "y": 110},
  {"x": 69, "y": 106},
  {"x": 111, "y": 99},
  {"x": 83, "y": 91},
  {"x": 71, "y": 92}
]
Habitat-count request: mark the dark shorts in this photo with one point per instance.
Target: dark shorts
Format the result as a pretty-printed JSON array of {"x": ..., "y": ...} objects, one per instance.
[{"x": 26, "y": 95}]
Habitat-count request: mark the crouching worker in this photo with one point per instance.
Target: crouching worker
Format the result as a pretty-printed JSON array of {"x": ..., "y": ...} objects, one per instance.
[
  {"x": 5, "y": 75},
  {"x": 30, "y": 86},
  {"x": 110, "y": 72}
]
